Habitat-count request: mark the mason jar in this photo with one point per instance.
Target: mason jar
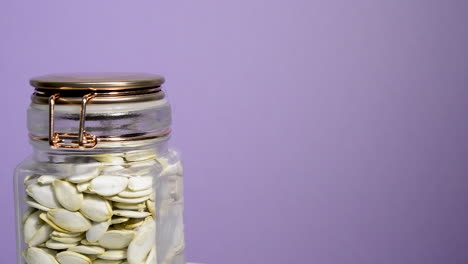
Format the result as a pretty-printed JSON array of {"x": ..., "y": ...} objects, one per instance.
[{"x": 101, "y": 185}]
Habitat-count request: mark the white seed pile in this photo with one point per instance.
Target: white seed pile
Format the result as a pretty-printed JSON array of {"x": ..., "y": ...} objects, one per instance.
[{"x": 99, "y": 213}]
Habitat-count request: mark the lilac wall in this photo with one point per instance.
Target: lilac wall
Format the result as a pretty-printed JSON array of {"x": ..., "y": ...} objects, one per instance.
[{"x": 313, "y": 131}]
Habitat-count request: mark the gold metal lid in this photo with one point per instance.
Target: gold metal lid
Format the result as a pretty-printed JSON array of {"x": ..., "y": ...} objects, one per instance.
[{"x": 98, "y": 82}]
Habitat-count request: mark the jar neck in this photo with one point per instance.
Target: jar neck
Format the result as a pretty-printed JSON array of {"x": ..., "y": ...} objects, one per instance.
[{"x": 116, "y": 155}]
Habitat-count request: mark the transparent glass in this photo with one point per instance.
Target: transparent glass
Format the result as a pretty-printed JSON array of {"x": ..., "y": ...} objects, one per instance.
[{"x": 120, "y": 204}]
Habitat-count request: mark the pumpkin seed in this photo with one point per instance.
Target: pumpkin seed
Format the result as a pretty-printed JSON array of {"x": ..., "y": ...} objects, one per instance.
[
  {"x": 87, "y": 250},
  {"x": 135, "y": 194},
  {"x": 140, "y": 183},
  {"x": 151, "y": 207},
  {"x": 28, "y": 178},
  {"x": 130, "y": 224},
  {"x": 84, "y": 172},
  {"x": 128, "y": 200},
  {"x": 112, "y": 159},
  {"x": 96, "y": 208},
  {"x": 46, "y": 219},
  {"x": 33, "y": 204},
  {"x": 60, "y": 234},
  {"x": 36, "y": 255},
  {"x": 67, "y": 195},
  {"x": 143, "y": 168},
  {"x": 111, "y": 169},
  {"x": 59, "y": 245},
  {"x": 108, "y": 185},
  {"x": 114, "y": 255},
  {"x": 31, "y": 180},
  {"x": 103, "y": 261},
  {"x": 69, "y": 257},
  {"x": 43, "y": 194},
  {"x": 126, "y": 206},
  {"x": 116, "y": 239},
  {"x": 70, "y": 221},
  {"x": 32, "y": 225},
  {"x": 88, "y": 243},
  {"x": 67, "y": 240},
  {"x": 28, "y": 212},
  {"x": 41, "y": 236},
  {"x": 46, "y": 179},
  {"x": 134, "y": 223},
  {"x": 119, "y": 220},
  {"x": 81, "y": 187},
  {"x": 131, "y": 214},
  {"x": 97, "y": 230},
  {"x": 142, "y": 244},
  {"x": 133, "y": 156}
]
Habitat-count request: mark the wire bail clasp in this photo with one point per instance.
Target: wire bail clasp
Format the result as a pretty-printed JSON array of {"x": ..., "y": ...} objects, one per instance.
[{"x": 82, "y": 140}]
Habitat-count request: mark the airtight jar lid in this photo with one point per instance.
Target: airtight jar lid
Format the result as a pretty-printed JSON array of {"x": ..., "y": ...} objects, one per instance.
[{"x": 106, "y": 97}]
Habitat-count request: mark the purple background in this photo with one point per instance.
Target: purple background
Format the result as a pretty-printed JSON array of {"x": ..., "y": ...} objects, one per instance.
[{"x": 313, "y": 131}]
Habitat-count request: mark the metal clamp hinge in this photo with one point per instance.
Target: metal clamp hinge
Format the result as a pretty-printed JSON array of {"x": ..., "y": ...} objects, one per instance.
[{"x": 82, "y": 140}]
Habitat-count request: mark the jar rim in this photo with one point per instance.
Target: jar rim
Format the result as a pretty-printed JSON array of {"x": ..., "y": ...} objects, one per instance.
[{"x": 97, "y": 82}]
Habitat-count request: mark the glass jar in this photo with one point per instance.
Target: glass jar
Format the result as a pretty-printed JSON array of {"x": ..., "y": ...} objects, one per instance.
[{"x": 101, "y": 186}]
